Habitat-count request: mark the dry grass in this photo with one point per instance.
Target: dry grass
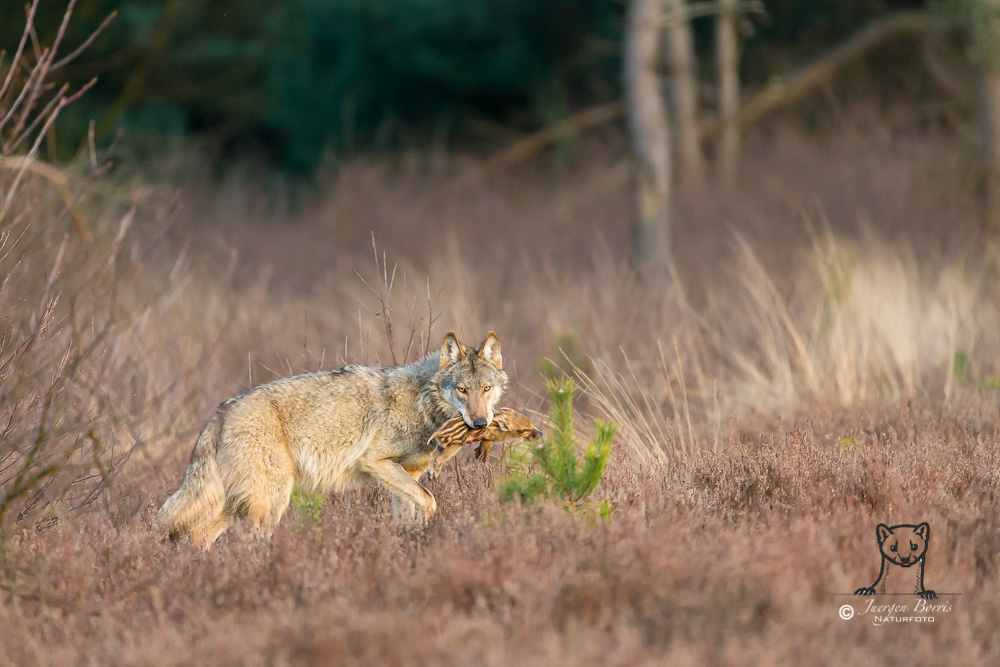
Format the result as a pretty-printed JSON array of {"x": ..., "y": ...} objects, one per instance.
[
  {"x": 779, "y": 399},
  {"x": 737, "y": 558}
]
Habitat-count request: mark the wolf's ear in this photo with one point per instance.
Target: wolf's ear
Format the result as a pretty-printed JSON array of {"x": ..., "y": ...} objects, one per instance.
[
  {"x": 924, "y": 531},
  {"x": 451, "y": 349},
  {"x": 882, "y": 531},
  {"x": 490, "y": 350}
]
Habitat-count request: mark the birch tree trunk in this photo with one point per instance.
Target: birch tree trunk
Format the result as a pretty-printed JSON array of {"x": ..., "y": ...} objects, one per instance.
[
  {"x": 987, "y": 34},
  {"x": 989, "y": 139},
  {"x": 684, "y": 87},
  {"x": 649, "y": 136},
  {"x": 729, "y": 92}
]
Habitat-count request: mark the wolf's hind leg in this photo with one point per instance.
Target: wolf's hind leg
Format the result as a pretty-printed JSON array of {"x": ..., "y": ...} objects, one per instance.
[
  {"x": 261, "y": 492},
  {"x": 266, "y": 508},
  {"x": 403, "y": 508},
  {"x": 258, "y": 472}
]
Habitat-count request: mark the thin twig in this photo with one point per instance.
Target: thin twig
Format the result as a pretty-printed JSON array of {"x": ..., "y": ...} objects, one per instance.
[
  {"x": 430, "y": 318},
  {"x": 386, "y": 315},
  {"x": 86, "y": 43},
  {"x": 20, "y": 49}
]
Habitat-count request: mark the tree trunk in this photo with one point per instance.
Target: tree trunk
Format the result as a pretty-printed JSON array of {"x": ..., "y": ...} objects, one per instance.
[
  {"x": 684, "y": 87},
  {"x": 649, "y": 136},
  {"x": 781, "y": 92},
  {"x": 987, "y": 35},
  {"x": 989, "y": 139},
  {"x": 729, "y": 92}
]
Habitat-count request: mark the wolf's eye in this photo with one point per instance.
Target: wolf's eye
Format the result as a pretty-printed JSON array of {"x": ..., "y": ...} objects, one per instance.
[
  {"x": 913, "y": 547},
  {"x": 462, "y": 390},
  {"x": 487, "y": 388},
  {"x": 892, "y": 548}
]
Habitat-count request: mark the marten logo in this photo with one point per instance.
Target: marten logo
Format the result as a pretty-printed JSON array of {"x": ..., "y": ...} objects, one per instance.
[{"x": 904, "y": 553}]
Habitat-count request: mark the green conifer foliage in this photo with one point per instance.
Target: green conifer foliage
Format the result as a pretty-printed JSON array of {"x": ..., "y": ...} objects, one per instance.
[{"x": 558, "y": 470}]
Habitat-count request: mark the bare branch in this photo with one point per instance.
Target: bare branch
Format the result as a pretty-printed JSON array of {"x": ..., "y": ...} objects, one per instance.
[
  {"x": 20, "y": 50},
  {"x": 86, "y": 43},
  {"x": 383, "y": 300}
]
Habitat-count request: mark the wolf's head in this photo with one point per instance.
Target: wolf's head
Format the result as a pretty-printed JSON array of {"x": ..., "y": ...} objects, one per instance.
[
  {"x": 471, "y": 380},
  {"x": 904, "y": 544}
]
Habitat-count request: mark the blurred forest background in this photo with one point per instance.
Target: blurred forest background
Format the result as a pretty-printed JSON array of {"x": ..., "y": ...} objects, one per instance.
[{"x": 295, "y": 79}]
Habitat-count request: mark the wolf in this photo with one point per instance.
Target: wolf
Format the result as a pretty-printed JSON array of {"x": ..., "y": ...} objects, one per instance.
[{"x": 329, "y": 432}]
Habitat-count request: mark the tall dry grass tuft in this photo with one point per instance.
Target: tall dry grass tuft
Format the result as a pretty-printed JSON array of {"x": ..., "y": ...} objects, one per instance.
[
  {"x": 859, "y": 321},
  {"x": 870, "y": 320},
  {"x": 654, "y": 414}
]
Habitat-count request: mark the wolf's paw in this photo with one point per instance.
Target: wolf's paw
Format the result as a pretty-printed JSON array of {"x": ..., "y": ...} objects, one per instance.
[
  {"x": 869, "y": 590},
  {"x": 927, "y": 595},
  {"x": 403, "y": 508},
  {"x": 428, "y": 511}
]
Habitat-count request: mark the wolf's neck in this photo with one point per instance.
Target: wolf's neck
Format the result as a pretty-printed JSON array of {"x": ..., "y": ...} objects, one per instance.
[{"x": 429, "y": 400}]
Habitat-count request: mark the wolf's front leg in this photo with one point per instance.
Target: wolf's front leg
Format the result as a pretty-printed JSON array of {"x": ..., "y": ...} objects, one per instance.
[
  {"x": 404, "y": 489},
  {"x": 403, "y": 508}
]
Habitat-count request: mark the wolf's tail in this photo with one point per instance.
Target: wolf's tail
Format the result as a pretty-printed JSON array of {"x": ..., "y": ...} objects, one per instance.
[{"x": 202, "y": 494}]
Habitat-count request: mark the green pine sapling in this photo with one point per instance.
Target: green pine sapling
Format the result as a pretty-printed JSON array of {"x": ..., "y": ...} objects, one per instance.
[{"x": 558, "y": 471}]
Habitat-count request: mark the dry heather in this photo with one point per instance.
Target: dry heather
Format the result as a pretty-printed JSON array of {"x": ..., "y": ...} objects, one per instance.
[{"x": 830, "y": 367}]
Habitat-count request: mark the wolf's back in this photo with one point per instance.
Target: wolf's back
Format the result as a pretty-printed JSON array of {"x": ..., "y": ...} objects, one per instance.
[{"x": 202, "y": 494}]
